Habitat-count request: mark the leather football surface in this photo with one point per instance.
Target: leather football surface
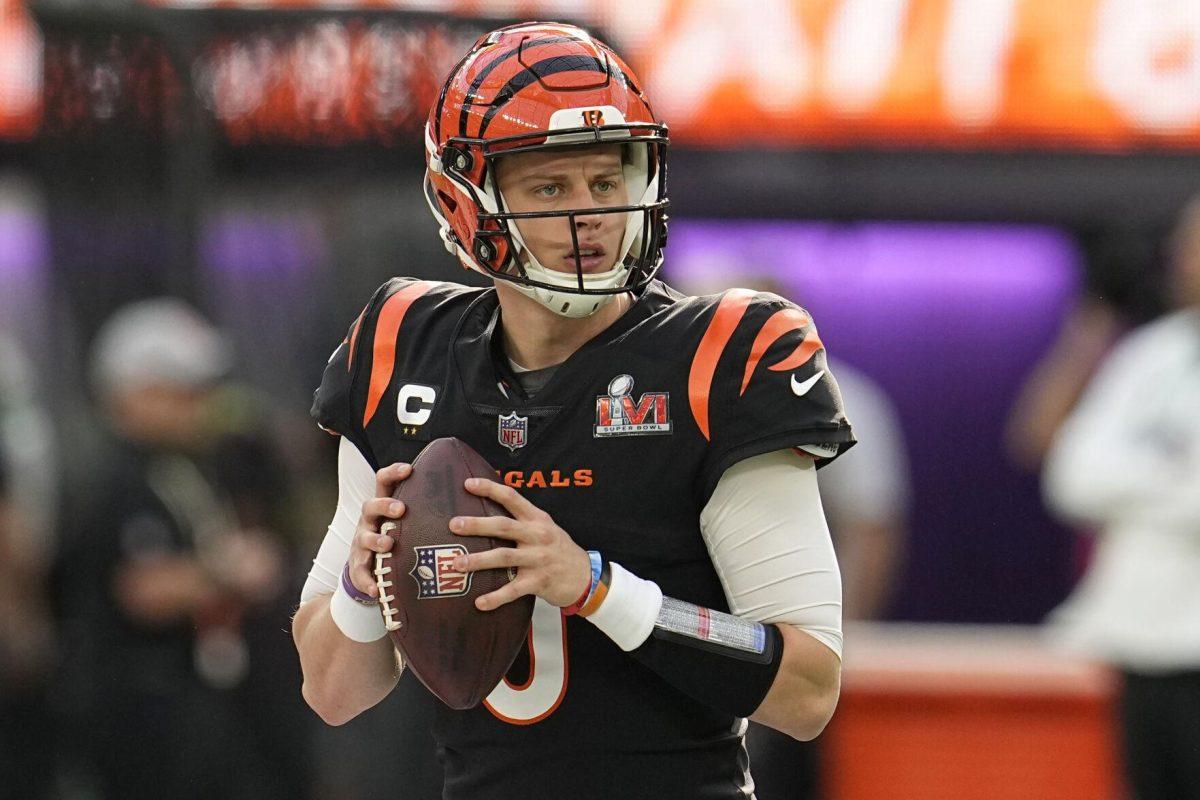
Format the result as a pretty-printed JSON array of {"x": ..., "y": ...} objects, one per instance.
[{"x": 459, "y": 652}]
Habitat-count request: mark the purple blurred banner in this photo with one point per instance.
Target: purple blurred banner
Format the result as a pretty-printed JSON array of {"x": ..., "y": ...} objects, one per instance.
[
  {"x": 24, "y": 250},
  {"x": 275, "y": 245},
  {"x": 948, "y": 319}
]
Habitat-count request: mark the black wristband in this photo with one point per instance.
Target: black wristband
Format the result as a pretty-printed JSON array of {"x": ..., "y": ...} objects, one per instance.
[{"x": 717, "y": 678}]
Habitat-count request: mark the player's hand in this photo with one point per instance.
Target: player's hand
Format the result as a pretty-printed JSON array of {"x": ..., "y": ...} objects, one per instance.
[
  {"x": 549, "y": 563},
  {"x": 367, "y": 539}
]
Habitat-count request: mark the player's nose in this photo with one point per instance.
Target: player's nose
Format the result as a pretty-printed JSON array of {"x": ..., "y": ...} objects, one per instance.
[
  {"x": 584, "y": 219},
  {"x": 587, "y": 221}
]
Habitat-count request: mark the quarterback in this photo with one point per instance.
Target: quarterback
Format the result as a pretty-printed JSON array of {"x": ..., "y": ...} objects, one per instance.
[{"x": 657, "y": 454}]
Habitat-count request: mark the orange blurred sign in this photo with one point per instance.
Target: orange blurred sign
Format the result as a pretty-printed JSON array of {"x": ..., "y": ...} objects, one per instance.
[
  {"x": 1070, "y": 74},
  {"x": 1097, "y": 74},
  {"x": 20, "y": 72}
]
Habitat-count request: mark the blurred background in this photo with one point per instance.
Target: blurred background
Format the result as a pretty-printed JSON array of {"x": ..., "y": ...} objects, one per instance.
[{"x": 976, "y": 199}]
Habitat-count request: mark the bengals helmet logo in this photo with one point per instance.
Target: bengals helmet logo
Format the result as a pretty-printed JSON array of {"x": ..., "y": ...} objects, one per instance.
[{"x": 593, "y": 118}]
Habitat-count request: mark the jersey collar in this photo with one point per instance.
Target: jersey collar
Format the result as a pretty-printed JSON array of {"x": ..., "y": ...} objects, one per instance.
[{"x": 484, "y": 371}]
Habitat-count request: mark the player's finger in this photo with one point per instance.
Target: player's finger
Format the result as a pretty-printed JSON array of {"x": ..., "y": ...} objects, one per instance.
[
  {"x": 505, "y": 594},
  {"x": 379, "y": 509},
  {"x": 367, "y": 545},
  {"x": 504, "y": 527},
  {"x": 491, "y": 559},
  {"x": 374, "y": 542},
  {"x": 363, "y": 578},
  {"x": 506, "y": 496},
  {"x": 387, "y": 478}
]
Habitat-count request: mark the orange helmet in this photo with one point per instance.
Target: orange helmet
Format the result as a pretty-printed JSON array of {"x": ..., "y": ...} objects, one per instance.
[{"x": 542, "y": 86}]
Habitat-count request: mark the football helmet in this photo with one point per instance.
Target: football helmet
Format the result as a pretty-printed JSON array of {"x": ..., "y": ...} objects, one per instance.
[{"x": 541, "y": 87}]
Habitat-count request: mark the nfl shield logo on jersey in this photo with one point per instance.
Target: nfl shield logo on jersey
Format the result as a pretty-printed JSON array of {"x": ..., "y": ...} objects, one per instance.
[
  {"x": 511, "y": 430},
  {"x": 617, "y": 414},
  {"x": 435, "y": 574}
]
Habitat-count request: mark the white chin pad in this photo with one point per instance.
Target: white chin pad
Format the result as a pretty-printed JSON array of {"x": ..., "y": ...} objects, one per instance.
[{"x": 565, "y": 304}]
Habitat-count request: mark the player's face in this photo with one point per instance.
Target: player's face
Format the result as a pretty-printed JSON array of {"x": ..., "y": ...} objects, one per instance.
[
  {"x": 579, "y": 178},
  {"x": 163, "y": 415},
  {"x": 1185, "y": 257}
]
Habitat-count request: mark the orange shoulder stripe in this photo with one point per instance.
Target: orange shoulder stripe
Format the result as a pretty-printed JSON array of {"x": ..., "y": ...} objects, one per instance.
[
  {"x": 704, "y": 363},
  {"x": 384, "y": 351},
  {"x": 807, "y": 348},
  {"x": 779, "y": 323}
]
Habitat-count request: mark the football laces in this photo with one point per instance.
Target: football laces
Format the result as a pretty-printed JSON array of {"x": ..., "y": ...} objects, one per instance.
[{"x": 382, "y": 570}]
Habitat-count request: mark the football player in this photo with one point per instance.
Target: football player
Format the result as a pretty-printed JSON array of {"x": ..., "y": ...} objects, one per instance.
[{"x": 657, "y": 454}]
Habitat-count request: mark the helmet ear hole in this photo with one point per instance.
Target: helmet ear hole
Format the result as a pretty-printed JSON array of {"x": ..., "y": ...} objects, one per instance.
[
  {"x": 461, "y": 161},
  {"x": 484, "y": 250},
  {"x": 447, "y": 201}
]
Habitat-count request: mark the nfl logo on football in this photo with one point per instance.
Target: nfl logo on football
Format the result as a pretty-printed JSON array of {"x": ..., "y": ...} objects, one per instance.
[
  {"x": 435, "y": 574},
  {"x": 511, "y": 430},
  {"x": 617, "y": 414}
]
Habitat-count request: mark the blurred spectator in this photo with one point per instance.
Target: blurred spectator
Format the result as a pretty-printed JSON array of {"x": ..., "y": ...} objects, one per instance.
[
  {"x": 26, "y": 542},
  {"x": 1053, "y": 388},
  {"x": 1127, "y": 461},
  {"x": 1122, "y": 286},
  {"x": 173, "y": 583},
  {"x": 26, "y": 645},
  {"x": 1058, "y": 380},
  {"x": 28, "y": 451}
]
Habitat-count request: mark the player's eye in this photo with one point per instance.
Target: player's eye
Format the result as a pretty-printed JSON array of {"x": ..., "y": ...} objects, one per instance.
[
  {"x": 605, "y": 186},
  {"x": 549, "y": 190}
]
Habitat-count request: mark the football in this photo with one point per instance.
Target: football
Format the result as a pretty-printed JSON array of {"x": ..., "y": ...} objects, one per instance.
[{"x": 459, "y": 652}]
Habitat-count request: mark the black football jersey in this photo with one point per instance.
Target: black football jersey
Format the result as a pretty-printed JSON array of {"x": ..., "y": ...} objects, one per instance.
[{"x": 622, "y": 447}]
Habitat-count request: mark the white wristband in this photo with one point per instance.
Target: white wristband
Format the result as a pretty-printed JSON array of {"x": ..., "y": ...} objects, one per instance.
[
  {"x": 359, "y": 622},
  {"x": 629, "y": 609}
]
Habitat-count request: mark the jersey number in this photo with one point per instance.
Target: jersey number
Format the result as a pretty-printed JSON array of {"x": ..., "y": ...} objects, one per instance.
[{"x": 541, "y": 693}]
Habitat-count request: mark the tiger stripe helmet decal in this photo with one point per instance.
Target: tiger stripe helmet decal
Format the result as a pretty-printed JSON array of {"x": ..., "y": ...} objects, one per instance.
[{"x": 544, "y": 86}]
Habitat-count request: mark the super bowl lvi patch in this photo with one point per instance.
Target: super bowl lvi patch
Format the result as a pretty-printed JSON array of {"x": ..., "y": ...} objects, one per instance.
[{"x": 618, "y": 414}]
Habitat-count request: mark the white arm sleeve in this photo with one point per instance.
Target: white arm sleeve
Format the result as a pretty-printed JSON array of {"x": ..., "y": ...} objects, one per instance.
[
  {"x": 356, "y": 485},
  {"x": 766, "y": 534}
]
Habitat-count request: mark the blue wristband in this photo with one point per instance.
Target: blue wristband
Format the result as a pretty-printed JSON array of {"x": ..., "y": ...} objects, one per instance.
[{"x": 597, "y": 567}]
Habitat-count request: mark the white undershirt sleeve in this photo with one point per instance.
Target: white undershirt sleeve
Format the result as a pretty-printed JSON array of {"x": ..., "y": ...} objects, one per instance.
[
  {"x": 769, "y": 543},
  {"x": 356, "y": 485}
]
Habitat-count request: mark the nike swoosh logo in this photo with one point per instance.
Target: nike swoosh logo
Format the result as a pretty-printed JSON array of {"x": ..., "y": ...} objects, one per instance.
[{"x": 801, "y": 389}]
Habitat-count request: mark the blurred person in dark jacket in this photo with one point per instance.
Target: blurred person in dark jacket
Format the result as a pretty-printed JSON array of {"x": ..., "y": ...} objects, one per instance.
[
  {"x": 26, "y": 650},
  {"x": 27, "y": 541},
  {"x": 28, "y": 454},
  {"x": 170, "y": 576},
  {"x": 1126, "y": 462}
]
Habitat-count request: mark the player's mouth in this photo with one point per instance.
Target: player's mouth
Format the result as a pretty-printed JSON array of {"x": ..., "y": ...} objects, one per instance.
[{"x": 592, "y": 257}]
